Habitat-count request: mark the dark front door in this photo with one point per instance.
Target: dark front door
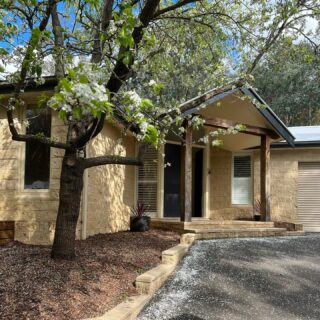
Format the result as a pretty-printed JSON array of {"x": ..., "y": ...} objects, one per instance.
[
  {"x": 197, "y": 172},
  {"x": 171, "y": 206},
  {"x": 172, "y": 176}
]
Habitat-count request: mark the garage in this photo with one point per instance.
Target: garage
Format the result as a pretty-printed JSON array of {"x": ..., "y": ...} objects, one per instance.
[{"x": 309, "y": 195}]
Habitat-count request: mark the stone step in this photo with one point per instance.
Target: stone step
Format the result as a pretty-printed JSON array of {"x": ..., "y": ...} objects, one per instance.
[
  {"x": 188, "y": 238},
  {"x": 240, "y": 233},
  {"x": 208, "y": 224},
  {"x": 295, "y": 233},
  {"x": 217, "y": 230},
  {"x": 228, "y": 224}
]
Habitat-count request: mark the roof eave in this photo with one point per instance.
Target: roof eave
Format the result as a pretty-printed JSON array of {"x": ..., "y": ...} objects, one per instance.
[{"x": 49, "y": 84}]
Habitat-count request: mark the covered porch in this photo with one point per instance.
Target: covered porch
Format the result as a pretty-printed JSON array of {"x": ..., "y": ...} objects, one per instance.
[{"x": 216, "y": 187}]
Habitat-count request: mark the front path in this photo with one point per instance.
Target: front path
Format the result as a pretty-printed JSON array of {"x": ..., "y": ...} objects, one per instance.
[{"x": 261, "y": 279}]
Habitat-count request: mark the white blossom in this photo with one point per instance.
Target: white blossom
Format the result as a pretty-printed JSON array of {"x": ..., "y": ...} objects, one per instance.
[
  {"x": 134, "y": 98},
  {"x": 83, "y": 93},
  {"x": 112, "y": 26},
  {"x": 216, "y": 143},
  {"x": 204, "y": 139},
  {"x": 181, "y": 129},
  {"x": 144, "y": 127}
]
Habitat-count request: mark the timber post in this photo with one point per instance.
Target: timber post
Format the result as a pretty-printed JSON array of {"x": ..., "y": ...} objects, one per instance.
[
  {"x": 186, "y": 178},
  {"x": 265, "y": 178}
]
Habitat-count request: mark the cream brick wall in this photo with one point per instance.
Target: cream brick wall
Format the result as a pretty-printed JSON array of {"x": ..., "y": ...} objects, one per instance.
[
  {"x": 34, "y": 211},
  {"x": 284, "y": 183},
  {"x": 284, "y": 180},
  {"x": 221, "y": 207},
  {"x": 111, "y": 188}
]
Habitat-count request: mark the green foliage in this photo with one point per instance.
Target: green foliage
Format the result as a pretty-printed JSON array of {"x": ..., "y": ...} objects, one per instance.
[
  {"x": 152, "y": 135},
  {"x": 180, "y": 53},
  {"x": 288, "y": 79},
  {"x": 183, "y": 65}
]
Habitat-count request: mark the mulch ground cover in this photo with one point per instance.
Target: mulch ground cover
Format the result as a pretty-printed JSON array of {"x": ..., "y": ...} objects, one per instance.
[{"x": 32, "y": 286}]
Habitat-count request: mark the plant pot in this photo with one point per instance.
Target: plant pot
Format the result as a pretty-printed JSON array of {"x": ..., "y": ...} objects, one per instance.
[
  {"x": 256, "y": 217},
  {"x": 140, "y": 224}
]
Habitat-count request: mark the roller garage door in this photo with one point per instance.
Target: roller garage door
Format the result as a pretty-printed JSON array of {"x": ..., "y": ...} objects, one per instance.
[{"x": 309, "y": 195}]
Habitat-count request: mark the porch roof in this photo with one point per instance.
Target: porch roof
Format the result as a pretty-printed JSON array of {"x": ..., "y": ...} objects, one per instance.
[{"x": 236, "y": 108}]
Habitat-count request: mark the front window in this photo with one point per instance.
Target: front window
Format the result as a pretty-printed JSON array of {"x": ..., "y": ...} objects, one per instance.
[
  {"x": 37, "y": 156},
  {"x": 148, "y": 181},
  {"x": 241, "y": 180}
]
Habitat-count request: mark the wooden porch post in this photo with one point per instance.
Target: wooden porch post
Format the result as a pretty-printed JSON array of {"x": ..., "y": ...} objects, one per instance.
[
  {"x": 265, "y": 178},
  {"x": 186, "y": 178}
]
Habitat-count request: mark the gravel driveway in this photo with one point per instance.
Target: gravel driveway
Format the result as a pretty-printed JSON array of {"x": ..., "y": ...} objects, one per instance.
[{"x": 266, "y": 278}]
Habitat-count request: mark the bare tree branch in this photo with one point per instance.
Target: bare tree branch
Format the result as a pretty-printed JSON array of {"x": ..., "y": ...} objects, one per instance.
[
  {"x": 103, "y": 160},
  {"x": 313, "y": 43},
  {"x": 272, "y": 38},
  {"x": 175, "y": 6},
  {"x": 44, "y": 140},
  {"x": 276, "y": 33}
]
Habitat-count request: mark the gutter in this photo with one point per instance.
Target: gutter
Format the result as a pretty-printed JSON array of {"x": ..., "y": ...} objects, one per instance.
[{"x": 297, "y": 144}]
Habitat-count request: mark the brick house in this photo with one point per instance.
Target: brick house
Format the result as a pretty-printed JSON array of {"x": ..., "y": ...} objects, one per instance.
[{"x": 203, "y": 182}]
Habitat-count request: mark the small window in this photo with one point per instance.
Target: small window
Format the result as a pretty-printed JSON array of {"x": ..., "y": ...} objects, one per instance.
[
  {"x": 37, "y": 156},
  {"x": 241, "y": 180}
]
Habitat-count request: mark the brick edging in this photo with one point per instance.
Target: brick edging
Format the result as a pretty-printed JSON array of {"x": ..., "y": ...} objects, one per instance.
[{"x": 149, "y": 282}]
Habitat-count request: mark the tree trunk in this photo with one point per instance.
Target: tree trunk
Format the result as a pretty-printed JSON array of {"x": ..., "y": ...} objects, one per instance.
[{"x": 71, "y": 184}]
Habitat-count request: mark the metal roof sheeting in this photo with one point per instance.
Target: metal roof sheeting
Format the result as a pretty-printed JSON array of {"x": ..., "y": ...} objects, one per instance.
[
  {"x": 306, "y": 133},
  {"x": 305, "y": 137}
]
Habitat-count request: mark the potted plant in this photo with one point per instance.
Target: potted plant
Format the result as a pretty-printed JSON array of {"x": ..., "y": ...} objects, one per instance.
[{"x": 139, "y": 220}]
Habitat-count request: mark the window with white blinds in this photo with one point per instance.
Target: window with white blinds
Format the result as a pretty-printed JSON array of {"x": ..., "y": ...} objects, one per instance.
[
  {"x": 241, "y": 179},
  {"x": 148, "y": 180}
]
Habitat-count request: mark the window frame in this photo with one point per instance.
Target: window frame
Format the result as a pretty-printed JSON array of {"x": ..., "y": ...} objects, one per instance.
[
  {"x": 244, "y": 154},
  {"x": 29, "y": 192},
  {"x": 157, "y": 181}
]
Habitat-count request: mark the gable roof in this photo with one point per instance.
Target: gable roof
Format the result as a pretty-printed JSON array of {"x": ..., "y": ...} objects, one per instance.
[{"x": 214, "y": 95}]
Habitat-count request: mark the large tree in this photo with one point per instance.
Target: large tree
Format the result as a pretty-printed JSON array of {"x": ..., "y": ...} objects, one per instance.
[
  {"x": 289, "y": 81},
  {"x": 116, "y": 41}
]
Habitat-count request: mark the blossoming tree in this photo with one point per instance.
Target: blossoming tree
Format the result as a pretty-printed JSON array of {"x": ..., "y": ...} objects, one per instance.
[{"x": 97, "y": 46}]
